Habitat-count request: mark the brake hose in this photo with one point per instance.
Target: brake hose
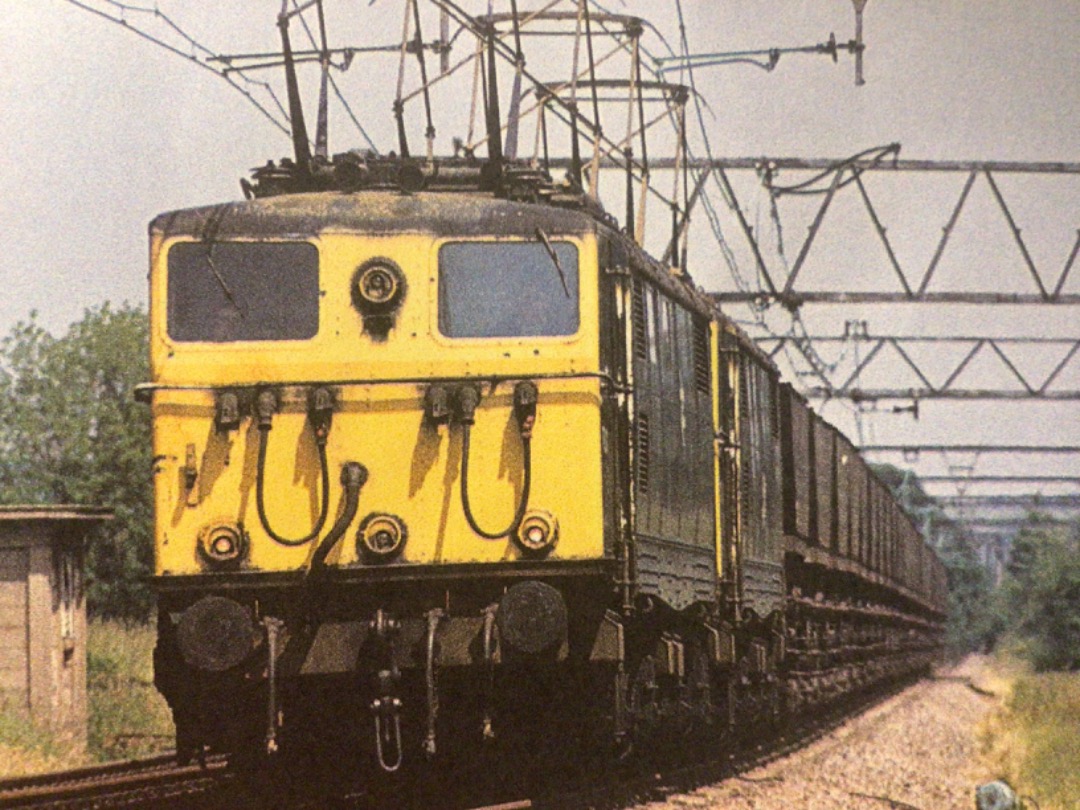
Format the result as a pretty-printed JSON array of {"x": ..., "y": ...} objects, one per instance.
[
  {"x": 526, "y": 444},
  {"x": 266, "y": 404},
  {"x": 525, "y": 396},
  {"x": 353, "y": 477}
]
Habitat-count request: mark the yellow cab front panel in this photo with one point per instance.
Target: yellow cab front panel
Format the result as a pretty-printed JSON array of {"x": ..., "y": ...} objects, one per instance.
[{"x": 265, "y": 296}]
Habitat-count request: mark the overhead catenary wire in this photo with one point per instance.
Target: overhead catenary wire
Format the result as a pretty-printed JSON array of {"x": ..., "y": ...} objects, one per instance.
[
  {"x": 857, "y": 164},
  {"x": 795, "y": 329},
  {"x": 726, "y": 190},
  {"x": 541, "y": 99},
  {"x": 585, "y": 19},
  {"x": 564, "y": 110},
  {"x": 229, "y": 69},
  {"x": 281, "y": 123},
  {"x": 235, "y": 76}
]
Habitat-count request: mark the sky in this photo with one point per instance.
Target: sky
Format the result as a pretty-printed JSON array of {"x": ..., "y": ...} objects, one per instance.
[{"x": 102, "y": 130}]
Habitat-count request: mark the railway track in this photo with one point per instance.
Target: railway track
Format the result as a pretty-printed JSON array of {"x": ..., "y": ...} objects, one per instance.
[
  {"x": 156, "y": 782},
  {"x": 160, "y": 783},
  {"x": 619, "y": 790}
]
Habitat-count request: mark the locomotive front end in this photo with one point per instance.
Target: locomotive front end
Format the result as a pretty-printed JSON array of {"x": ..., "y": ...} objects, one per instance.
[{"x": 379, "y": 464}]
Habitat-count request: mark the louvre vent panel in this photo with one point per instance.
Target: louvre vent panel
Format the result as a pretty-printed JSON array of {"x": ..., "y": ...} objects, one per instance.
[
  {"x": 643, "y": 452},
  {"x": 701, "y": 357},
  {"x": 641, "y": 348}
]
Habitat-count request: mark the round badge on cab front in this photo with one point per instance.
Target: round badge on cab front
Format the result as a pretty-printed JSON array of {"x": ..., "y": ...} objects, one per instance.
[{"x": 378, "y": 286}]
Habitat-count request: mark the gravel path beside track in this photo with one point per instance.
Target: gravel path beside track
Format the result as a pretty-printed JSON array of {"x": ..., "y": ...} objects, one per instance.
[{"x": 915, "y": 751}]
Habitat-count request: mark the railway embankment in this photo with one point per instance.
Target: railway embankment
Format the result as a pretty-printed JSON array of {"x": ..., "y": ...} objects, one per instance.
[
  {"x": 1032, "y": 740},
  {"x": 922, "y": 749}
]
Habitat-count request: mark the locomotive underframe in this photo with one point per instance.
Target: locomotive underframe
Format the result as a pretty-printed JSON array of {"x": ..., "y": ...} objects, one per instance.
[
  {"x": 645, "y": 674},
  {"x": 371, "y": 636}
]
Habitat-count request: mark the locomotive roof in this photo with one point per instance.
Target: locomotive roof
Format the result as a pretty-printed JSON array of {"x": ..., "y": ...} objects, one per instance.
[
  {"x": 446, "y": 213},
  {"x": 306, "y": 215}
]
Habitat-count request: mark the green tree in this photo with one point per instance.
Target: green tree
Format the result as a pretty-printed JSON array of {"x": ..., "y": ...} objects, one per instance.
[
  {"x": 971, "y": 620},
  {"x": 71, "y": 432},
  {"x": 1039, "y": 599},
  {"x": 1041, "y": 595}
]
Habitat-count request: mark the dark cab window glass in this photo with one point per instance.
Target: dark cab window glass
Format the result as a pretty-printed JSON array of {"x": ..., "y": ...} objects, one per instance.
[
  {"x": 219, "y": 292},
  {"x": 508, "y": 289}
]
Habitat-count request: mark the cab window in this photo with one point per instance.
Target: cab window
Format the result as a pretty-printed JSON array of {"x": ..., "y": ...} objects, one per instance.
[
  {"x": 220, "y": 292},
  {"x": 508, "y": 289}
]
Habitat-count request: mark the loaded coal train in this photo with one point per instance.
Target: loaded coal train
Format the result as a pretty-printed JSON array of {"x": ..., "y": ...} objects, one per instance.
[
  {"x": 445, "y": 462},
  {"x": 418, "y": 453}
]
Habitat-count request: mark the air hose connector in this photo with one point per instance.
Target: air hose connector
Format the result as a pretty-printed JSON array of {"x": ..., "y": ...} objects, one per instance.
[
  {"x": 266, "y": 405},
  {"x": 466, "y": 400},
  {"x": 353, "y": 475},
  {"x": 226, "y": 411},
  {"x": 525, "y": 397},
  {"x": 321, "y": 412},
  {"x": 437, "y": 405}
]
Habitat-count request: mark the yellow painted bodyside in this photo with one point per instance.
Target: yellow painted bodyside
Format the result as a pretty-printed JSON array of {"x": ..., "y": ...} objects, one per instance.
[
  {"x": 414, "y": 468},
  {"x": 726, "y": 444},
  {"x": 717, "y": 446}
]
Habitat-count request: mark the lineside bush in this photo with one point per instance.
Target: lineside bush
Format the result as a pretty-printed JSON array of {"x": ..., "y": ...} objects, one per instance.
[
  {"x": 1033, "y": 740},
  {"x": 128, "y": 718},
  {"x": 27, "y": 749},
  {"x": 1039, "y": 601}
]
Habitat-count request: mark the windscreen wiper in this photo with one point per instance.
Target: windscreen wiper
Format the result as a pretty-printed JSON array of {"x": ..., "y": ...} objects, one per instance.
[
  {"x": 543, "y": 237},
  {"x": 221, "y": 280}
]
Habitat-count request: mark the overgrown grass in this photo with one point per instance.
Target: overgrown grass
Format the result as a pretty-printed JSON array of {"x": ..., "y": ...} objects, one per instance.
[
  {"x": 1033, "y": 740},
  {"x": 128, "y": 718},
  {"x": 25, "y": 748}
]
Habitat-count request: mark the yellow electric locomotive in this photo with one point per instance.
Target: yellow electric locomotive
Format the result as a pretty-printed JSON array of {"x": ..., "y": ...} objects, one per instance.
[{"x": 375, "y": 417}]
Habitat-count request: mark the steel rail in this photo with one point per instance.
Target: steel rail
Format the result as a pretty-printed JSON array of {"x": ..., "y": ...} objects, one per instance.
[
  {"x": 120, "y": 784},
  {"x": 163, "y": 761}
]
